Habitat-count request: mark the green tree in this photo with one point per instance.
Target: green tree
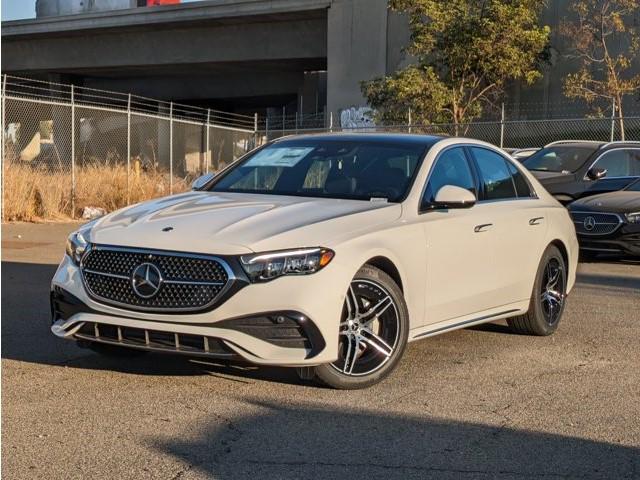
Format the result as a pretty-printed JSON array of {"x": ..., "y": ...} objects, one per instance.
[
  {"x": 466, "y": 51},
  {"x": 602, "y": 26}
]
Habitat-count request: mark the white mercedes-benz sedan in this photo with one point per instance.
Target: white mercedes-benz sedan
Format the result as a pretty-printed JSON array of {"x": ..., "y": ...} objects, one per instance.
[{"x": 327, "y": 253}]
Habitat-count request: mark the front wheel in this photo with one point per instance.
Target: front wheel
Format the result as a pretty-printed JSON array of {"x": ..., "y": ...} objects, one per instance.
[
  {"x": 548, "y": 297},
  {"x": 373, "y": 332}
]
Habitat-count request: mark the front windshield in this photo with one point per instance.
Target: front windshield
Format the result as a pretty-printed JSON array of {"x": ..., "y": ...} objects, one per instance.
[
  {"x": 559, "y": 158},
  {"x": 348, "y": 169}
]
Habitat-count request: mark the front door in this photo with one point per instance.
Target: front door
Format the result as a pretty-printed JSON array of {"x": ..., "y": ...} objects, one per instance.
[{"x": 459, "y": 243}]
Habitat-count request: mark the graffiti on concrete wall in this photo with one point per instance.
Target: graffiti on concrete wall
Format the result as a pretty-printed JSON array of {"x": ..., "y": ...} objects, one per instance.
[{"x": 357, "y": 117}]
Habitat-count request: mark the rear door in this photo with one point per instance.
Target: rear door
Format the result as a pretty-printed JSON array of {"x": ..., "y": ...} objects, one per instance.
[{"x": 518, "y": 229}]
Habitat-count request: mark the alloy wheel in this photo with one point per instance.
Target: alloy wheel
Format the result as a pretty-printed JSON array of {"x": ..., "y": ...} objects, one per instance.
[
  {"x": 553, "y": 288},
  {"x": 369, "y": 329}
]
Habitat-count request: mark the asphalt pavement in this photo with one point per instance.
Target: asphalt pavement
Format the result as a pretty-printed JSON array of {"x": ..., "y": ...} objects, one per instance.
[{"x": 477, "y": 403}]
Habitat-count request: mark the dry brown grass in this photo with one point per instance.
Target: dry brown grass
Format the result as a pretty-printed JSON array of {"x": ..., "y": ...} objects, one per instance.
[{"x": 39, "y": 194}]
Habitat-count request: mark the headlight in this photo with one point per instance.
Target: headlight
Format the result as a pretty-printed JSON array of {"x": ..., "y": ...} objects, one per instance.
[
  {"x": 263, "y": 267},
  {"x": 76, "y": 245},
  {"x": 633, "y": 217}
]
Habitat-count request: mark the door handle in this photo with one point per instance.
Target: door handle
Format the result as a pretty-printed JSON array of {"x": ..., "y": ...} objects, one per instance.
[
  {"x": 482, "y": 228},
  {"x": 535, "y": 221}
]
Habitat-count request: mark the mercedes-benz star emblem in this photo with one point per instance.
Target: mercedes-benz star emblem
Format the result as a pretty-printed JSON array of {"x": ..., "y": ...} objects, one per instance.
[
  {"x": 146, "y": 280},
  {"x": 589, "y": 223}
]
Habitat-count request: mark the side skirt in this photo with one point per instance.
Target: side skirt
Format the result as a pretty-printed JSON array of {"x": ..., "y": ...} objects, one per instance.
[{"x": 449, "y": 325}]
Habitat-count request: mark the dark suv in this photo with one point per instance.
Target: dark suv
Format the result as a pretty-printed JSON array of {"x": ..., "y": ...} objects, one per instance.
[{"x": 573, "y": 169}]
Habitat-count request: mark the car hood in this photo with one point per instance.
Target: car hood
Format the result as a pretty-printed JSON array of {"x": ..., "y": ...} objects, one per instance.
[
  {"x": 548, "y": 178},
  {"x": 234, "y": 223},
  {"x": 616, "y": 202}
]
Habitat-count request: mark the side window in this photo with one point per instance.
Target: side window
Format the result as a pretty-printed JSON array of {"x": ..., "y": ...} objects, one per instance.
[
  {"x": 494, "y": 174},
  {"x": 620, "y": 163},
  {"x": 451, "y": 168},
  {"x": 522, "y": 186}
]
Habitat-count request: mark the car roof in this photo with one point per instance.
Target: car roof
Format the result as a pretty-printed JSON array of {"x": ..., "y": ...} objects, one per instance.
[
  {"x": 576, "y": 143},
  {"x": 373, "y": 137},
  {"x": 596, "y": 145},
  {"x": 627, "y": 144}
]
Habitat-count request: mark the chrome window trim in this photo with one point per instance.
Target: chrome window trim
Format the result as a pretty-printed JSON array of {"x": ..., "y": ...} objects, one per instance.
[
  {"x": 433, "y": 166},
  {"x": 464, "y": 145},
  {"x": 126, "y": 306},
  {"x": 604, "y": 154},
  {"x": 516, "y": 165}
]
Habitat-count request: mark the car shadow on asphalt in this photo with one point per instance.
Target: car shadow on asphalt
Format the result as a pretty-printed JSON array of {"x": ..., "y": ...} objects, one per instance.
[
  {"x": 604, "y": 258},
  {"x": 293, "y": 440}
]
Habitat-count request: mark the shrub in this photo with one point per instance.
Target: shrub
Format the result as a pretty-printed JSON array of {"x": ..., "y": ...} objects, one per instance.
[{"x": 33, "y": 194}]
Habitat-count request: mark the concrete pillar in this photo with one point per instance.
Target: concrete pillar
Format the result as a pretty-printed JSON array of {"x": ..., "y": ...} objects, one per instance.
[{"x": 356, "y": 50}]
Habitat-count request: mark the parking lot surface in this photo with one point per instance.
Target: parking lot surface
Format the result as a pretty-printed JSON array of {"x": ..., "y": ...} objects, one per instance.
[{"x": 476, "y": 403}]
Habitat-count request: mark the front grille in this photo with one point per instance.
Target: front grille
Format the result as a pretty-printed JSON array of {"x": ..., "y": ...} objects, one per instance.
[
  {"x": 154, "y": 340},
  {"x": 188, "y": 282},
  {"x": 595, "y": 223}
]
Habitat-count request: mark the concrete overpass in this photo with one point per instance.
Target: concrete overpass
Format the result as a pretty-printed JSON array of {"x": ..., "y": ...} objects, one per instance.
[{"x": 230, "y": 54}]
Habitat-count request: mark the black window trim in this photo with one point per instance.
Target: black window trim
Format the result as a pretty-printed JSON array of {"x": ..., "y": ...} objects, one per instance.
[
  {"x": 507, "y": 161},
  {"x": 470, "y": 164}
]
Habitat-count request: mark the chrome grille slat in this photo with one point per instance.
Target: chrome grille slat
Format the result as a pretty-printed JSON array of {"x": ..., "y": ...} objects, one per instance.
[
  {"x": 603, "y": 223},
  {"x": 190, "y": 282}
]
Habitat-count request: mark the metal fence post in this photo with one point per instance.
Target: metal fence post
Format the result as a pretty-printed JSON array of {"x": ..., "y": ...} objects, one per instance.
[
  {"x": 4, "y": 129},
  {"x": 266, "y": 128},
  {"x": 255, "y": 129},
  {"x": 410, "y": 120},
  {"x": 331, "y": 122},
  {"x": 128, "y": 149},
  {"x": 613, "y": 119},
  {"x": 502, "y": 116},
  {"x": 73, "y": 152},
  {"x": 296, "y": 122},
  {"x": 171, "y": 148},
  {"x": 208, "y": 155}
]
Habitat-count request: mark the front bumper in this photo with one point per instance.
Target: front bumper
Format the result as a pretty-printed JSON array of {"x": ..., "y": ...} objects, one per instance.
[
  {"x": 291, "y": 321},
  {"x": 625, "y": 240}
]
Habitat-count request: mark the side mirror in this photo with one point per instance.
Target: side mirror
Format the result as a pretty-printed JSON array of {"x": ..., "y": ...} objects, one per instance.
[
  {"x": 596, "y": 173},
  {"x": 451, "y": 196},
  {"x": 201, "y": 181}
]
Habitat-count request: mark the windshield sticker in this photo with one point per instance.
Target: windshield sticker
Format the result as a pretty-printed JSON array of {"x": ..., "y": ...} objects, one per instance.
[{"x": 279, "y": 157}]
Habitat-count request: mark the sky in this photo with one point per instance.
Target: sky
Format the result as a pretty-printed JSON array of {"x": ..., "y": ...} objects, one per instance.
[{"x": 18, "y": 9}]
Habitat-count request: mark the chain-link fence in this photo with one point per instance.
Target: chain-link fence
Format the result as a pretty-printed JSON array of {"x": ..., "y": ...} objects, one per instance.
[
  {"x": 507, "y": 134},
  {"x": 66, "y": 148}
]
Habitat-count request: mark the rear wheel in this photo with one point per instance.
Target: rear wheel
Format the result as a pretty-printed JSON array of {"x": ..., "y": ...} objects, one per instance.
[
  {"x": 373, "y": 332},
  {"x": 548, "y": 297}
]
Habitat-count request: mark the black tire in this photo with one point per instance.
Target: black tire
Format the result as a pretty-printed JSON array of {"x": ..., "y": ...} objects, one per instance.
[
  {"x": 115, "y": 351},
  {"x": 376, "y": 353},
  {"x": 547, "y": 299}
]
